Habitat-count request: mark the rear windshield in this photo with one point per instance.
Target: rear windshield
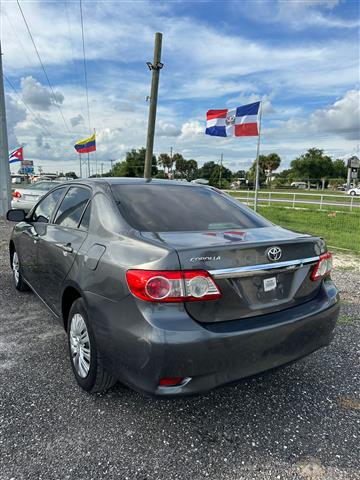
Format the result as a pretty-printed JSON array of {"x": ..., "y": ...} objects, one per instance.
[{"x": 176, "y": 208}]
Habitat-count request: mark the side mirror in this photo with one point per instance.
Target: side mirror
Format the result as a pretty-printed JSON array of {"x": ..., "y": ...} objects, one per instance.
[{"x": 16, "y": 215}]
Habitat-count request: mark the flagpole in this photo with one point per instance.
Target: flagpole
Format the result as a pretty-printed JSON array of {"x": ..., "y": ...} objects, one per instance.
[
  {"x": 80, "y": 165},
  {"x": 88, "y": 162},
  {"x": 257, "y": 162},
  {"x": 95, "y": 157}
]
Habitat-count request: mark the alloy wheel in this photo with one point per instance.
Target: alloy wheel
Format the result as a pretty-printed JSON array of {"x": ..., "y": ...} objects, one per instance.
[
  {"x": 15, "y": 268},
  {"x": 80, "y": 345}
]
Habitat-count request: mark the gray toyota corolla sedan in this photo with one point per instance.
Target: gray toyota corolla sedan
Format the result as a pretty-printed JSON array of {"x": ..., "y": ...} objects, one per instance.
[{"x": 171, "y": 288}]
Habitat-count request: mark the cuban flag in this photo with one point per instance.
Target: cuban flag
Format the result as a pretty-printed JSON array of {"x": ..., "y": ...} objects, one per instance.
[
  {"x": 16, "y": 155},
  {"x": 236, "y": 122}
]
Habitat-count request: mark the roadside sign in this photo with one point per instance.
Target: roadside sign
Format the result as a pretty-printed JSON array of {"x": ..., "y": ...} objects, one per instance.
[
  {"x": 353, "y": 162},
  {"x": 27, "y": 169},
  {"x": 27, "y": 163}
]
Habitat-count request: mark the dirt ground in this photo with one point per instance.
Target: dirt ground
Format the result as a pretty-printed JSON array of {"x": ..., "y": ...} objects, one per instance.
[{"x": 301, "y": 422}]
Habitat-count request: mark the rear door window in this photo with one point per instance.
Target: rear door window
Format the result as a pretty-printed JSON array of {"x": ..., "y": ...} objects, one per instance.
[
  {"x": 176, "y": 208},
  {"x": 85, "y": 221},
  {"x": 72, "y": 207}
]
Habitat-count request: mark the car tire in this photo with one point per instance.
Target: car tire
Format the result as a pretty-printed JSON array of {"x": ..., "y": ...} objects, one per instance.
[
  {"x": 353, "y": 193},
  {"x": 19, "y": 282},
  {"x": 84, "y": 355}
]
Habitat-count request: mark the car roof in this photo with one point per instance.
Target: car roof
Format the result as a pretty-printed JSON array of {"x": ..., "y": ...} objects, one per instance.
[{"x": 131, "y": 181}]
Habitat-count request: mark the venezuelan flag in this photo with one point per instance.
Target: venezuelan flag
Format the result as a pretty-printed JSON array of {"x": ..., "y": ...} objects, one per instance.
[{"x": 87, "y": 145}]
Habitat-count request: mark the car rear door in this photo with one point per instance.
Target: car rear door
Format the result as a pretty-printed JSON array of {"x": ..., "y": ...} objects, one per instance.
[{"x": 59, "y": 246}]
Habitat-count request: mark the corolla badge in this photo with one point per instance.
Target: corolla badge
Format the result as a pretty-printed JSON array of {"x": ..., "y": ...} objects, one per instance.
[
  {"x": 274, "y": 253},
  {"x": 204, "y": 259}
]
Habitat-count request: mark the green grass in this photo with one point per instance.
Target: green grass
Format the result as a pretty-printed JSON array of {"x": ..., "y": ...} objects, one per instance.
[{"x": 342, "y": 231}]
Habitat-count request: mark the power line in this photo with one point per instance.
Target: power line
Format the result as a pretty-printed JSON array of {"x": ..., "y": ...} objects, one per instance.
[
  {"x": 42, "y": 66},
  {"x": 36, "y": 117},
  {"x": 17, "y": 37},
  {"x": 85, "y": 70}
]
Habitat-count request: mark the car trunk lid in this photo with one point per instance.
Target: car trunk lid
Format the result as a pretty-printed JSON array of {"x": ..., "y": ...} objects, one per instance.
[{"x": 252, "y": 280}]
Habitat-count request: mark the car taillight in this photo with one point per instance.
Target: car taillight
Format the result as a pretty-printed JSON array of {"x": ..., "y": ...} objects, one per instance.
[
  {"x": 16, "y": 194},
  {"x": 170, "y": 381},
  {"x": 172, "y": 285},
  {"x": 323, "y": 267}
]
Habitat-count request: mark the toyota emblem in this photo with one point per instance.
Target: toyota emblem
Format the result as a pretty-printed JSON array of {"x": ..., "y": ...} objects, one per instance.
[{"x": 274, "y": 253}]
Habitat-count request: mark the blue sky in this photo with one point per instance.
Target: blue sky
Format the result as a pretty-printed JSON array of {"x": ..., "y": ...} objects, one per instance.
[{"x": 300, "y": 58}]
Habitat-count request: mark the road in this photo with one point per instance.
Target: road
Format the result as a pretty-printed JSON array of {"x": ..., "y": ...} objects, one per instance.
[{"x": 300, "y": 422}]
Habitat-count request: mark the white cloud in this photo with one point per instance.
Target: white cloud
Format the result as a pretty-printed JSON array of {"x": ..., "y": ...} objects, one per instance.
[
  {"x": 77, "y": 120},
  {"x": 191, "y": 130},
  {"x": 203, "y": 65},
  {"x": 342, "y": 118},
  {"x": 37, "y": 96},
  {"x": 164, "y": 129},
  {"x": 14, "y": 114},
  {"x": 296, "y": 14}
]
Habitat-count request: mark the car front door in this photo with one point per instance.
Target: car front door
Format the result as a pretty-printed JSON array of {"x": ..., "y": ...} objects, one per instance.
[
  {"x": 59, "y": 246},
  {"x": 32, "y": 231}
]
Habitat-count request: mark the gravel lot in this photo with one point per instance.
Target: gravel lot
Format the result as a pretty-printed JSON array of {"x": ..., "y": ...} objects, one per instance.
[{"x": 300, "y": 422}]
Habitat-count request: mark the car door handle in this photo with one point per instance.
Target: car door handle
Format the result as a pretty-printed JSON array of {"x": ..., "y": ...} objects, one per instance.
[{"x": 66, "y": 247}]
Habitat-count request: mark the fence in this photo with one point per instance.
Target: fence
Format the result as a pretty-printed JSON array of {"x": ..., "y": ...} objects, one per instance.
[
  {"x": 321, "y": 201},
  {"x": 332, "y": 216}
]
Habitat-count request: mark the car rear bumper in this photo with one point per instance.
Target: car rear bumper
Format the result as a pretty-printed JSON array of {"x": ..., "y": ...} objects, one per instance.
[
  {"x": 143, "y": 344},
  {"x": 22, "y": 204}
]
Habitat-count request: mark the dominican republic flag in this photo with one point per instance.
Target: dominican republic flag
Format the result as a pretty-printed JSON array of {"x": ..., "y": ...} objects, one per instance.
[
  {"x": 16, "y": 155},
  {"x": 86, "y": 146},
  {"x": 235, "y": 122}
]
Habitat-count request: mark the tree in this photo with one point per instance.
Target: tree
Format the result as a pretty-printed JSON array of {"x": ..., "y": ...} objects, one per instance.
[
  {"x": 313, "y": 165},
  {"x": 180, "y": 164},
  {"x": 133, "y": 165},
  {"x": 191, "y": 169},
  {"x": 207, "y": 169},
  {"x": 339, "y": 169},
  {"x": 185, "y": 168},
  {"x": 226, "y": 176},
  {"x": 166, "y": 161},
  {"x": 269, "y": 163},
  {"x": 251, "y": 174},
  {"x": 71, "y": 175},
  {"x": 240, "y": 174}
]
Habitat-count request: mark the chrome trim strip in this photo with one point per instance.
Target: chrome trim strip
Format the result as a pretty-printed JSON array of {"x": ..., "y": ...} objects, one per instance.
[{"x": 262, "y": 269}]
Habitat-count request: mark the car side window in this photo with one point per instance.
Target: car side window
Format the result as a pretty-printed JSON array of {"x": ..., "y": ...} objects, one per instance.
[
  {"x": 85, "y": 221},
  {"x": 72, "y": 207},
  {"x": 45, "y": 208}
]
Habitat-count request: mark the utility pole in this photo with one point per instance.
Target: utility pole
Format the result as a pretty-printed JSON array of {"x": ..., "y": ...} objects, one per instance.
[
  {"x": 171, "y": 158},
  {"x": 111, "y": 171},
  {"x": 5, "y": 179},
  {"x": 102, "y": 169},
  {"x": 220, "y": 172},
  {"x": 155, "y": 67}
]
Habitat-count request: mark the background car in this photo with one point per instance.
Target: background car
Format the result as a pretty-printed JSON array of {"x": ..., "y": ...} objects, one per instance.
[
  {"x": 300, "y": 185},
  {"x": 353, "y": 191},
  {"x": 172, "y": 288},
  {"x": 27, "y": 196}
]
